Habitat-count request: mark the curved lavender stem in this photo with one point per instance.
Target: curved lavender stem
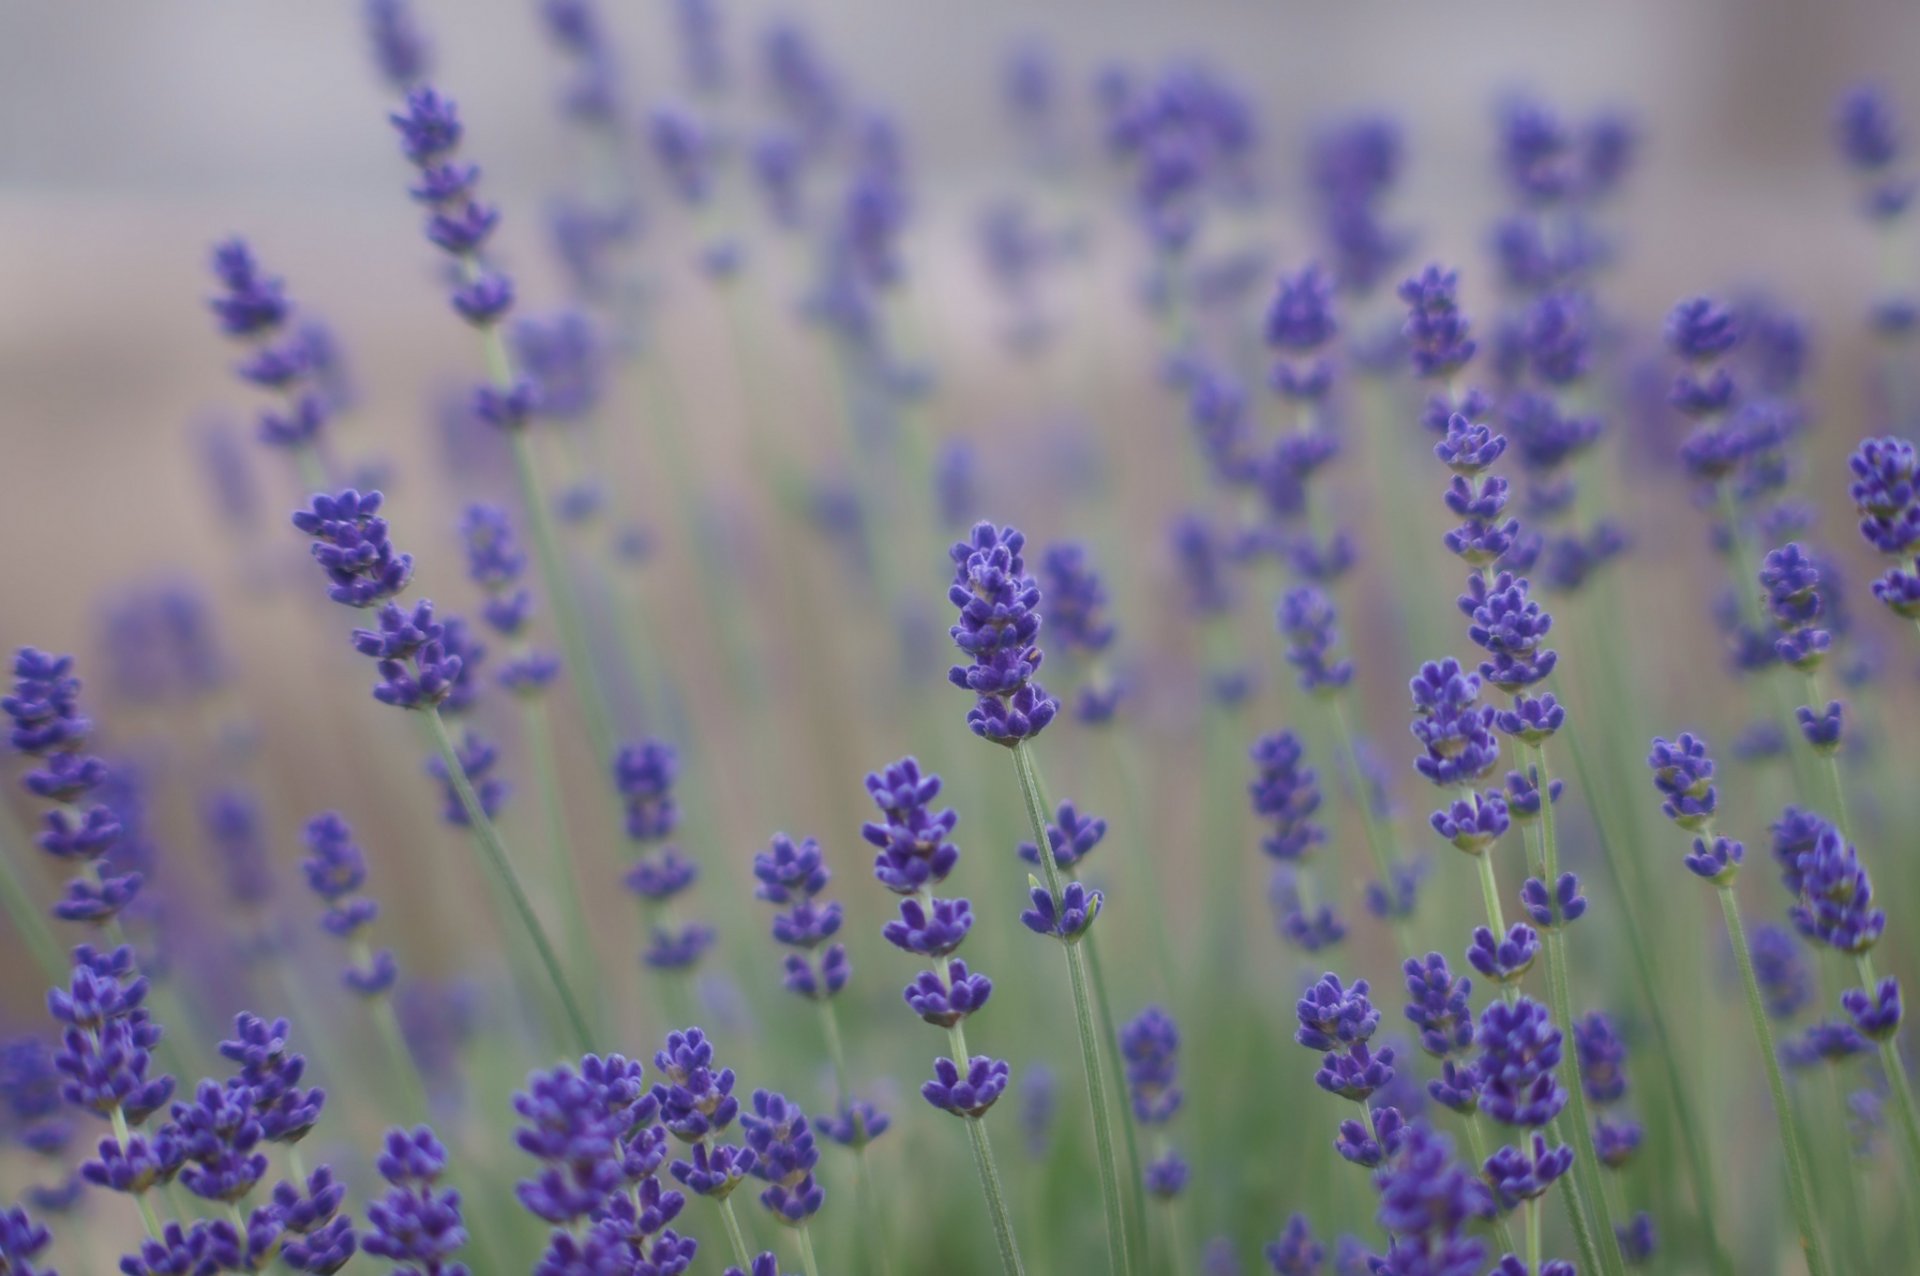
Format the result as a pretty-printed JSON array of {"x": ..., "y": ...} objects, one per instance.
[
  {"x": 1585, "y": 1195},
  {"x": 1119, "y": 1250},
  {"x": 1806, "y": 1221},
  {"x": 1699, "y": 1164},
  {"x": 502, "y": 865}
]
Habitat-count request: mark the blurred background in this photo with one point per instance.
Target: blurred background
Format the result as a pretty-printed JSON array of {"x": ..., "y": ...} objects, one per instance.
[{"x": 755, "y": 593}]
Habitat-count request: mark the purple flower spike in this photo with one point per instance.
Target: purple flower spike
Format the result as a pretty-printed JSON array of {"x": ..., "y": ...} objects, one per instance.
[
  {"x": 1886, "y": 495},
  {"x": 1717, "y": 860},
  {"x": 1876, "y": 1014},
  {"x": 1452, "y": 726},
  {"x": 1474, "y": 822},
  {"x": 784, "y": 1151},
  {"x": 1149, "y": 1050},
  {"x": 1071, "y": 837},
  {"x": 1517, "y": 1178},
  {"x": 1296, "y": 1253},
  {"x": 1439, "y": 1006},
  {"x": 1551, "y": 910},
  {"x": 970, "y": 1095},
  {"x": 1519, "y": 1050},
  {"x": 915, "y": 852},
  {"x": 1309, "y": 621},
  {"x": 999, "y": 623},
  {"x": 944, "y": 1002},
  {"x": 1504, "y": 960},
  {"x": 794, "y": 875},
  {"x": 1286, "y": 794},
  {"x": 1436, "y": 330},
  {"x": 1332, "y": 1016},
  {"x": 933, "y": 929},
  {"x": 1683, "y": 773},
  {"x": 1067, "y": 918},
  {"x": 458, "y": 222}
]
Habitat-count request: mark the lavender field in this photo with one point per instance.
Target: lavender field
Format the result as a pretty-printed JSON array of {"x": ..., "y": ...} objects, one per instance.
[{"x": 712, "y": 638}]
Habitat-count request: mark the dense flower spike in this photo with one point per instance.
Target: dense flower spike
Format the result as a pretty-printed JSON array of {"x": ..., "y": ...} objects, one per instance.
[
  {"x": 784, "y": 1156},
  {"x": 458, "y": 222},
  {"x": 1519, "y": 1051},
  {"x": 1833, "y": 895},
  {"x": 1683, "y": 773},
  {"x": 284, "y": 359},
  {"x": 1427, "y": 1200},
  {"x": 915, "y": 852},
  {"x": 999, "y": 623},
  {"x": 45, "y": 725},
  {"x": 792, "y": 876},
  {"x": 1437, "y": 332},
  {"x": 416, "y": 1222},
  {"x": 1453, "y": 727},
  {"x": 496, "y": 563}
]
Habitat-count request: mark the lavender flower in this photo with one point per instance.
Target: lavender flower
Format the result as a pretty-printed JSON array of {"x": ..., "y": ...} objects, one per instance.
[
  {"x": 784, "y": 1152},
  {"x": 1340, "y": 1021},
  {"x": 252, "y": 308},
  {"x": 644, "y": 774},
  {"x": 999, "y": 621},
  {"x": 46, "y": 725},
  {"x": 1426, "y": 1201},
  {"x": 1519, "y": 1050},
  {"x": 1683, "y": 773},
  {"x": 1436, "y": 330},
  {"x": 792, "y": 877},
  {"x": 459, "y": 223},
  {"x": 496, "y": 563},
  {"x": 1286, "y": 794},
  {"x": 400, "y": 51},
  {"x": 1454, "y": 729},
  {"x": 1834, "y": 896},
  {"x": 416, "y": 1222},
  {"x": 1309, "y": 621},
  {"x": 1077, "y": 610}
]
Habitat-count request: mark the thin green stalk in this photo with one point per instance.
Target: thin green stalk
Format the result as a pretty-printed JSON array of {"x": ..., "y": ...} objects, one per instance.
[
  {"x": 1848, "y": 1188},
  {"x": 1804, "y": 1217},
  {"x": 1477, "y": 1144},
  {"x": 561, "y": 859},
  {"x": 567, "y": 617},
  {"x": 808, "y": 1263},
  {"x": 1380, "y": 843},
  {"x": 387, "y": 1024},
  {"x": 1490, "y": 896},
  {"x": 28, "y": 921},
  {"x": 1137, "y": 1193},
  {"x": 1177, "y": 1238},
  {"x": 1698, "y": 1162},
  {"x": 1141, "y": 866},
  {"x": 983, "y": 1160},
  {"x": 1533, "y": 1235},
  {"x": 502, "y": 865},
  {"x": 843, "y": 1098},
  {"x": 121, "y": 1135},
  {"x": 1896, "y": 1071},
  {"x": 1586, "y": 1161},
  {"x": 735, "y": 1237},
  {"x": 1119, "y": 1251}
]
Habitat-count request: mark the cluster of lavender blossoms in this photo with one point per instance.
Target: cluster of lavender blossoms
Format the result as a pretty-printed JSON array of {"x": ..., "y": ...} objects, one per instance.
[{"x": 1305, "y": 382}]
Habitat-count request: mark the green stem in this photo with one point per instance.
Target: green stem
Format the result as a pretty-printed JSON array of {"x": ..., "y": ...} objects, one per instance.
[
  {"x": 1380, "y": 842},
  {"x": 808, "y": 1263},
  {"x": 562, "y": 862},
  {"x": 843, "y": 1099},
  {"x": 735, "y": 1237},
  {"x": 1119, "y": 1252},
  {"x": 387, "y": 1024},
  {"x": 1803, "y": 1212},
  {"x": 1137, "y": 1194},
  {"x": 1896, "y": 1071},
  {"x": 1595, "y": 1230},
  {"x": 1533, "y": 1235},
  {"x": 996, "y": 1198},
  {"x": 584, "y": 676},
  {"x": 1490, "y": 897},
  {"x": 1655, "y": 1005},
  {"x": 502, "y": 865},
  {"x": 121, "y": 1135},
  {"x": 1477, "y": 1143},
  {"x": 983, "y": 1157},
  {"x": 1177, "y": 1238}
]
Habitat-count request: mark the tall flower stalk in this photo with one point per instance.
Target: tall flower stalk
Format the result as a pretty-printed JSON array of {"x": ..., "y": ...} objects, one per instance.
[
  {"x": 914, "y": 856},
  {"x": 417, "y": 673},
  {"x": 999, "y": 623},
  {"x": 1683, "y": 773}
]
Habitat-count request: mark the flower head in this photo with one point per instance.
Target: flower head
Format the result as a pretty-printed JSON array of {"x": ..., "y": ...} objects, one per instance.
[{"x": 998, "y": 627}]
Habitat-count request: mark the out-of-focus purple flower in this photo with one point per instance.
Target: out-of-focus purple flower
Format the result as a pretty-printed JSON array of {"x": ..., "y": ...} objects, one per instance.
[
  {"x": 400, "y": 50},
  {"x": 1426, "y": 1201},
  {"x": 1436, "y": 330},
  {"x": 1306, "y": 928},
  {"x": 1834, "y": 896},
  {"x": 1781, "y": 970},
  {"x": 1439, "y": 1006},
  {"x": 337, "y": 872},
  {"x": 1286, "y": 794}
]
